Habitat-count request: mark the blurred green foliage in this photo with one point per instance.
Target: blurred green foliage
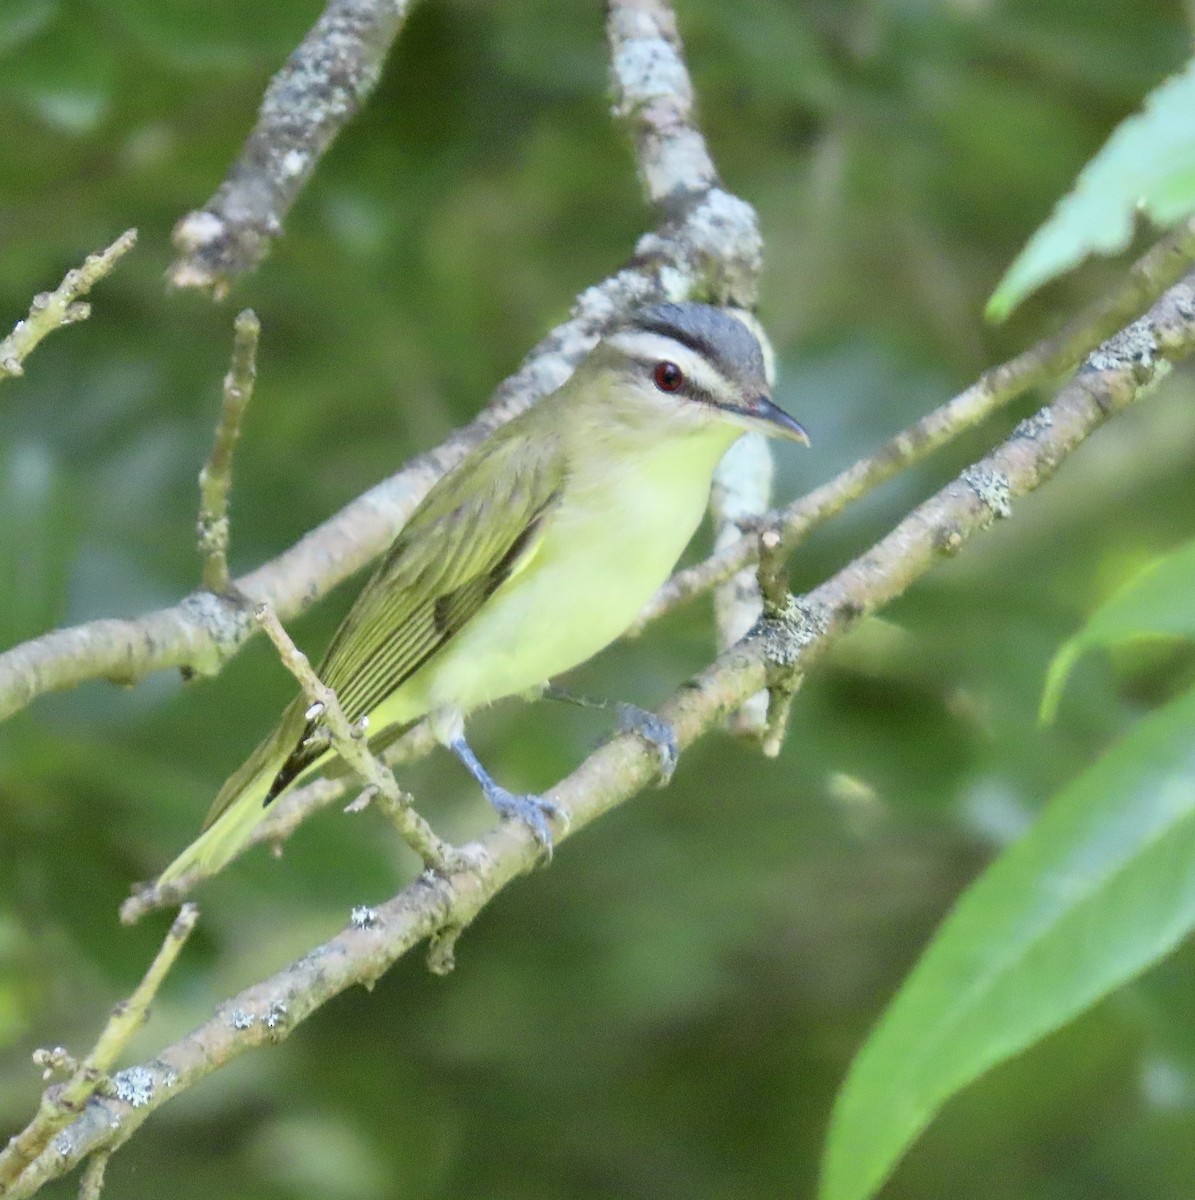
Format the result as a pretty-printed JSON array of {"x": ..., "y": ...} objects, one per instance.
[
  {"x": 1146, "y": 168},
  {"x": 1158, "y": 602},
  {"x": 670, "y": 1008}
]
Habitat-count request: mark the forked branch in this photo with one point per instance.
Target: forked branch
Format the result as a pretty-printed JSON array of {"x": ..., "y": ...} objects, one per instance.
[{"x": 62, "y": 306}]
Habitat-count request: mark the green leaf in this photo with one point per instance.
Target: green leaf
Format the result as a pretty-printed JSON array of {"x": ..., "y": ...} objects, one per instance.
[
  {"x": 1101, "y": 887},
  {"x": 1147, "y": 166},
  {"x": 1159, "y": 601}
]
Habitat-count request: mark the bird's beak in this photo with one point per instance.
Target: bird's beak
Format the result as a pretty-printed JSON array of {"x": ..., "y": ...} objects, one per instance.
[{"x": 758, "y": 412}]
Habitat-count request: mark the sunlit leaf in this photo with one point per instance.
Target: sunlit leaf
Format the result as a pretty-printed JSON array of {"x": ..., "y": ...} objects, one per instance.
[
  {"x": 1159, "y": 601},
  {"x": 1146, "y": 166},
  {"x": 1101, "y": 887}
]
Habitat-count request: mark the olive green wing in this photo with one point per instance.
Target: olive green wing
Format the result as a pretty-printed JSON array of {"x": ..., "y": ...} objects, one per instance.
[{"x": 472, "y": 531}]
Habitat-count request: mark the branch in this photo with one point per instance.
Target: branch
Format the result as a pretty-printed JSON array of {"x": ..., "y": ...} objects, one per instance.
[
  {"x": 781, "y": 647},
  {"x": 52, "y": 310},
  {"x": 63, "y": 1102},
  {"x": 320, "y": 89},
  {"x": 215, "y": 479},
  {"x": 772, "y": 584},
  {"x": 1146, "y": 280},
  {"x": 739, "y": 502},
  {"x": 202, "y": 632},
  {"x": 653, "y": 94}
]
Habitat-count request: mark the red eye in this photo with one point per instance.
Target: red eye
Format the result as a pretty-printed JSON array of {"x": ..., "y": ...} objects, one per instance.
[{"x": 668, "y": 377}]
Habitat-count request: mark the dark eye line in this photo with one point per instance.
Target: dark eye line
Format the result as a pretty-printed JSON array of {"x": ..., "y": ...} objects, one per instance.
[{"x": 695, "y": 392}]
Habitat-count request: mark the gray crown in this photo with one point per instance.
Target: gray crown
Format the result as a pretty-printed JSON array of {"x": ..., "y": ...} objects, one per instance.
[{"x": 711, "y": 332}]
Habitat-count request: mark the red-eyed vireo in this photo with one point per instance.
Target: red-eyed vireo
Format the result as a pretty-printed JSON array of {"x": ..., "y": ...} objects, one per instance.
[{"x": 534, "y": 553}]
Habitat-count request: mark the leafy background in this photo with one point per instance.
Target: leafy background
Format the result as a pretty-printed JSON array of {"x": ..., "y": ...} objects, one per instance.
[{"x": 671, "y": 1008}]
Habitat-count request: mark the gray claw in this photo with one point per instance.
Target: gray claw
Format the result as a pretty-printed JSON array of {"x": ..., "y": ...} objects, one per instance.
[
  {"x": 534, "y": 811},
  {"x": 656, "y": 732}
]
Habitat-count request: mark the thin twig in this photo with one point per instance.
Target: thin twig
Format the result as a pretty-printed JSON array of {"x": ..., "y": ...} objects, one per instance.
[
  {"x": 322, "y": 86},
  {"x": 776, "y": 600},
  {"x": 62, "y": 1103},
  {"x": 215, "y": 479},
  {"x": 285, "y": 816},
  {"x": 91, "y": 1185},
  {"x": 1122, "y": 371},
  {"x": 349, "y": 742},
  {"x": 52, "y": 310}
]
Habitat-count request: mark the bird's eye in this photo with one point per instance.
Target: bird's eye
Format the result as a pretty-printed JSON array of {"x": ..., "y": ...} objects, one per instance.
[{"x": 668, "y": 377}]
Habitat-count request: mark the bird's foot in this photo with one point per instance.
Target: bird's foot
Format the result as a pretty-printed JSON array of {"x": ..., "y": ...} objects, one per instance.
[
  {"x": 534, "y": 811},
  {"x": 656, "y": 732}
]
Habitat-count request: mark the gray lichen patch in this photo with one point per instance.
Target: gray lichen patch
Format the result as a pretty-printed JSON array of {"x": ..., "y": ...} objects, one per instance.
[
  {"x": 648, "y": 68},
  {"x": 135, "y": 1086},
  {"x": 363, "y": 917},
  {"x": 226, "y": 623},
  {"x": 1033, "y": 427},
  {"x": 1134, "y": 347},
  {"x": 992, "y": 487},
  {"x": 784, "y": 635}
]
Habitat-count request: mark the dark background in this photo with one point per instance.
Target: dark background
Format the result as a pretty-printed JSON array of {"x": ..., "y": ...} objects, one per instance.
[{"x": 668, "y": 1010}]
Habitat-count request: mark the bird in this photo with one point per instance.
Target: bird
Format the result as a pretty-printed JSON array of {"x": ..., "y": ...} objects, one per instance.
[{"x": 535, "y": 552}]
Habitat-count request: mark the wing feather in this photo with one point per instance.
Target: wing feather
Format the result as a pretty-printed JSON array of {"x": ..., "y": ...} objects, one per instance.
[{"x": 466, "y": 538}]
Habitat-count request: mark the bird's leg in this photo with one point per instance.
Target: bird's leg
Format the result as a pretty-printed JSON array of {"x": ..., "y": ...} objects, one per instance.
[
  {"x": 655, "y": 731},
  {"x": 533, "y": 811}
]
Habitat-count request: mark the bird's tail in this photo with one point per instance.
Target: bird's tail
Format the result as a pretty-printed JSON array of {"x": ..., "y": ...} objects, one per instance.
[{"x": 240, "y": 804}]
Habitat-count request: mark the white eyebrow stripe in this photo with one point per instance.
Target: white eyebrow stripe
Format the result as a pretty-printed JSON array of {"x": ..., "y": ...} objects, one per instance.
[{"x": 651, "y": 348}]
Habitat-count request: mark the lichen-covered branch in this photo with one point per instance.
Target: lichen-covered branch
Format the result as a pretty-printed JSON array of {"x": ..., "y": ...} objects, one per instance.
[
  {"x": 320, "y": 89},
  {"x": 215, "y": 479},
  {"x": 61, "y": 1103},
  {"x": 653, "y": 93},
  {"x": 62, "y": 306},
  {"x": 783, "y": 645}
]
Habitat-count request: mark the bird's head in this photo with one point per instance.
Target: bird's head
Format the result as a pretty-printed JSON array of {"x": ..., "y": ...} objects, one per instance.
[{"x": 691, "y": 367}]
